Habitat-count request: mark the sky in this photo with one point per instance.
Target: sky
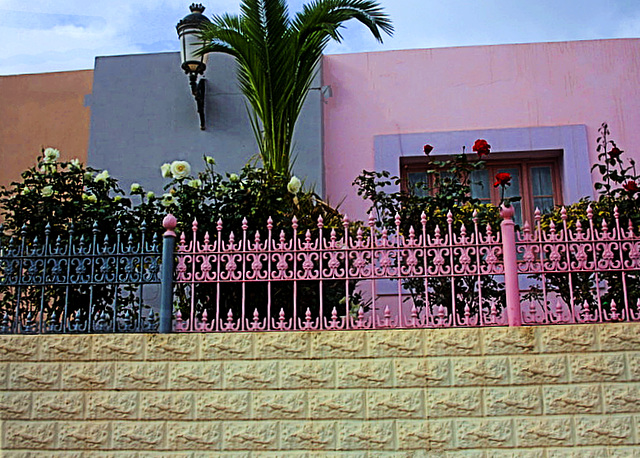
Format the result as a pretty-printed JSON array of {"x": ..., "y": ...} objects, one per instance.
[{"x": 48, "y": 36}]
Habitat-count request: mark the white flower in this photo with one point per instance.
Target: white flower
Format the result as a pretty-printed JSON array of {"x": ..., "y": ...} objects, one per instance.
[
  {"x": 195, "y": 183},
  {"x": 210, "y": 160},
  {"x": 168, "y": 199},
  {"x": 166, "y": 170},
  {"x": 294, "y": 185},
  {"x": 51, "y": 155},
  {"x": 233, "y": 178},
  {"x": 88, "y": 176},
  {"x": 47, "y": 191},
  {"x": 135, "y": 188},
  {"x": 180, "y": 169},
  {"x": 25, "y": 191},
  {"x": 117, "y": 198},
  {"x": 75, "y": 164},
  {"x": 102, "y": 176},
  {"x": 151, "y": 195}
]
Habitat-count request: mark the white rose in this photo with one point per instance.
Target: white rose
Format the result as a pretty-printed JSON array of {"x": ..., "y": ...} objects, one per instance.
[
  {"x": 294, "y": 185},
  {"x": 135, "y": 188},
  {"x": 165, "y": 169},
  {"x": 51, "y": 155},
  {"x": 75, "y": 164},
  {"x": 210, "y": 160},
  {"x": 47, "y": 191},
  {"x": 168, "y": 199},
  {"x": 180, "y": 169},
  {"x": 102, "y": 176},
  {"x": 88, "y": 176},
  {"x": 151, "y": 195},
  {"x": 195, "y": 183},
  {"x": 233, "y": 178}
]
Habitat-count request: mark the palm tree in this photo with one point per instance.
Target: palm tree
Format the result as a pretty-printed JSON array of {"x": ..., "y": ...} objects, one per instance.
[{"x": 277, "y": 58}]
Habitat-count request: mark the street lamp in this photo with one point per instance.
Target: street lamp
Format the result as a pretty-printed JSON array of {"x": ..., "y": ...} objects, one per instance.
[{"x": 193, "y": 64}]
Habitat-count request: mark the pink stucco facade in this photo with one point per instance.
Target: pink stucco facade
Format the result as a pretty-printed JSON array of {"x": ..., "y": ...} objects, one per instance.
[{"x": 480, "y": 88}]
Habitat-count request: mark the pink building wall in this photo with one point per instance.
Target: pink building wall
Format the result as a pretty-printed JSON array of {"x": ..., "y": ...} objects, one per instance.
[{"x": 474, "y": 88}]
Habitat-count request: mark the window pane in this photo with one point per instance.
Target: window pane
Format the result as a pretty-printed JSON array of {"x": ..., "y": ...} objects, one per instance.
[
  {"x": 513, "y": 191},
  {"x": 542, "y": 188},
  {"x": 480, "y": 185},
  {"x": 413, "y": 179}
]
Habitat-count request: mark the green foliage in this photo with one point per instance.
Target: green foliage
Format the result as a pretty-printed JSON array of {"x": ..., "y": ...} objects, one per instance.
[{"x": 277, "y": 58}]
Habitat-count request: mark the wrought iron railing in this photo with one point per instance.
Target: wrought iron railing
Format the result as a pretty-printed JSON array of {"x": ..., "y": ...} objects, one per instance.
[
  {"x": 353, "y": 277},
  {"x": 79, "y": 284}
]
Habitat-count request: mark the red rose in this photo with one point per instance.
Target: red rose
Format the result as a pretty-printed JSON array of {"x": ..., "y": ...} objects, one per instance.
[
  {"x": 502, "y": 179},
  {"x": 615, "y": 152},
  {"x": 631, "y": 186},
  {"x": 427, "y": 149},
  {"x": 481, "y": 147}
]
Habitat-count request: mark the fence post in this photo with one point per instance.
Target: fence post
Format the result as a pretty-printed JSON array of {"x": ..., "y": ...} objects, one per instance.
[
  {"x": 511, "y": 286},
  {"x": 166, "y": 295}
]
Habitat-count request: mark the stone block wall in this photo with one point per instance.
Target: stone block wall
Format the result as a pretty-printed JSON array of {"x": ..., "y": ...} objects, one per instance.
[{"x": 554, "y": 391}]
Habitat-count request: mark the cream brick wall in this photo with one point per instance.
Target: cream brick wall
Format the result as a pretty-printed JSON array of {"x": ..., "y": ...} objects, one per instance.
[{"x": 555, "y": 391}]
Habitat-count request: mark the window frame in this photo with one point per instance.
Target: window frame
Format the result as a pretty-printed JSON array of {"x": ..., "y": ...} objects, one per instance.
[{"x": 524, "y": 161}]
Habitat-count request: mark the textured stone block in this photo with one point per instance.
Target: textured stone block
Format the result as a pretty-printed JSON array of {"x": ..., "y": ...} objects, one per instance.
[
  {"x": 597, "y": 368},
  {"x": 66, "y": 348},
  {"x": 364, "y": 373},
  {"x": 396, "y": 403},
  {"x": 110, "y": 405},
  {"x": 567, "y": 339},
  {"x": 484, "y": 433},
  {"x": 84, "y": 435},
  {"x": 250, "y": 375},
  {"x": 250, "y": 435},
  {"x": 452, "y": 342},
  {"x": 137, "y": 435},
  {"x": 164, "y": 454},
  {"x": 308, "y": 435},
  {"x": 579, "y": 452},
  {"x": 513, "y": 401},
  {"x": 38, "y": 435},
  {"x": 622, "y": 397},
  {"x": 196, "y": 435},
  {"x": 4, "y": 376},
  {"x": 603, "y": 430},
  {"x": 15, "y": 405},
  {"x": 432, "y": 436},
  {"x": 633, "y": 359},
  {"x": 224, "y": 455},
  {"x": 219, "y": 346},
  {"x": 282, "y": 345},
  {"x": 223, "y": 405},
  {"x": 41, "y": 454},
  {"x": 481, "y": 371},
  {"x": 158, "y": 405},
  {"x": 58, "y": 405},
  {"x": 307, "y": 374},
  {"x": 19, "y": 348},
  {"x": 619, "y": 336},
  {"x": 623, "y": 452},
  {"x": 395, "y": 344},
  {"x": 277, "y": 405},
  {"x": 88, "y": 376},
  {"x": 365, "y": 435},
  {"x": 572, "y": 399},
  {"x": 118, "y": 347},
  {"x": 508, "y": 341},
  {"x": 337, "y": 404},
  {"x": 141, "y": 376},
  {"x": 533, "y": 370},
  {"x": 454, "y": 402},
  {"x": 338, "y": 344},
  {"x": 421, "y": 372},
  {"x": 34, "y": 376},
  {"x": 172, "y": 347},
  {"x": 200, "y": 375},
  {"x": 518, "y": 453},
  {"x": 544, "y": 432}
]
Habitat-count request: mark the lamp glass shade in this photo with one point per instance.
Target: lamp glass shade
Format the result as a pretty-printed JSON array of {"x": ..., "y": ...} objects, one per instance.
[{"x": 190, "y": 42}]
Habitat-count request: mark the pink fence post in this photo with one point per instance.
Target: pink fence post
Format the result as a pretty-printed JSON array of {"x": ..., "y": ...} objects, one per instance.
[{"x": 512, "y": 288}]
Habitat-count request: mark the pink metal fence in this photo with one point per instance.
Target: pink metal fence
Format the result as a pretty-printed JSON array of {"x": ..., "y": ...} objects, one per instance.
[
  {"x": 581, "y": 274},
  {"x": 383, "y": 279},
  {"x": 359, "y": 277}
]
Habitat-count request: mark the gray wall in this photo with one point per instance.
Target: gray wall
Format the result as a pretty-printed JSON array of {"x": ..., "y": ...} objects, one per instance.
[{"x": 143, "y": 114}]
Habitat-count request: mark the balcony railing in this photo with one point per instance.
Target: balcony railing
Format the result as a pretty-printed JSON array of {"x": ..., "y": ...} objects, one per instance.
[{"x": 353, "y": 277}]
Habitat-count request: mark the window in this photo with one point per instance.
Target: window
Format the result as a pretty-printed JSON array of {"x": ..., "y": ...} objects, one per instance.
[{"x": 534, "y": 177}]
